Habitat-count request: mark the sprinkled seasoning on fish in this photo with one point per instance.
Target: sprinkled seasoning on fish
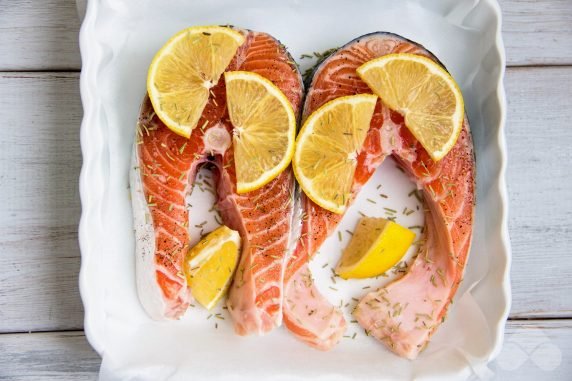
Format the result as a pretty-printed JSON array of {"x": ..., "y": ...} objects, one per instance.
[
  {"x": 163, "y": 172},
  {"x": 405, "y": 313}
]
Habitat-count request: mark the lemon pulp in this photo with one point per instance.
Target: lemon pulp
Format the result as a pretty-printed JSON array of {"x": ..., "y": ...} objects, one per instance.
[
  {"x": 327, "y": 147},
  {"x": 376, "y": 246},
  {"x": 183, "y": 71},
  {"x": 209, "y": 266},
  {"x": 424, "y": 93},
  {"x": 264, "y": 129}
]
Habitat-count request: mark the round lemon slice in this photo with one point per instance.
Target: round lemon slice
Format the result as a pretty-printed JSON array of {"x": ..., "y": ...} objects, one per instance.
[
  {"x": 183, "y": 71},
  {"x": 210, "y": 264},
  {"x": 264, "y": 129},
  {"x": 327, "y": 147},
  {"x": 376, "y": 246},
  {"x": 424, "y": 93}
]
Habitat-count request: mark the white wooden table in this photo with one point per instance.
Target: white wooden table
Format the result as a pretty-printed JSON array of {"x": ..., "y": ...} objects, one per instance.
[{"x": 41, "y": 315}]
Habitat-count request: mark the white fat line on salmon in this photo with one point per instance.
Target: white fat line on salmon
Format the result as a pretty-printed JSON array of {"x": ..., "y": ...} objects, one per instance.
[
  {"x": 259, "y": 271},
  {"x": 295, "y": 230},
  {"x": 265, "y": 208},
  {"x": 296, "y": 220},
  {"x": 155, "y": 198},
  {"x": 268, "y": 286},
  {"x": 275, "y": 226},
  {"x": 170, "y": 275},
  {"x": 277, "y": 259},
  {"x": 161, "y": 179},
  {"x": 270, "y": 302},
  {"x": 261, "y": 196},
  {"x": 163, "y": 232},
  {"x": 183, "y": 224}
]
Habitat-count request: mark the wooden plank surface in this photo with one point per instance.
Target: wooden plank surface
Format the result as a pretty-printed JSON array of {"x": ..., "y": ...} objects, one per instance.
[
  {"x": 47, "y": 356},
  {"x": 40, "y": 234},
  {"x": 43, "y": 34},
  {"x": 535, "y": 350},
  {"x": 39, "y": 35},
  {"x": 537, "y": 32},
  {"x": 39, "y": 170},
  {"x": 40, "y": 162},
  {"x": 539, "y": 184}
]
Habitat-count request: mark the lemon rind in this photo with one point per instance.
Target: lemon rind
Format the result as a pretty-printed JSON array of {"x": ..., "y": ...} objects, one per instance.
[
  {"x": 271, "y": 174},
  {"x": 436, "y": 69},
  {"x": 183, "y": 130},
  {"x": 305, "y": 131}
]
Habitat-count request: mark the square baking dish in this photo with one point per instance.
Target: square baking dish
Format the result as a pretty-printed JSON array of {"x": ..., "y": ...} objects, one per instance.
[{"x": 118, "y": 40}]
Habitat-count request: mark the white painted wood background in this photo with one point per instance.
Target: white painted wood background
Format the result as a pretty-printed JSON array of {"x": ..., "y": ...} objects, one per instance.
[{"x": 41, "y": 315}]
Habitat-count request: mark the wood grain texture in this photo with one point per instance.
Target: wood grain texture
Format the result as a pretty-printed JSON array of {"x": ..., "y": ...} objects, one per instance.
[
  {"x": 534, "y": 350},
  {"x": 39, "y": 170},
  {"x": 47, "y": 356},
  {"x": 537, "y": 32},
  {"x": 39, "y": 35},
  {"x": 43, "y": 34},
  {"x": 539, "y": 183},
  {"x": 40, "y": 163}
]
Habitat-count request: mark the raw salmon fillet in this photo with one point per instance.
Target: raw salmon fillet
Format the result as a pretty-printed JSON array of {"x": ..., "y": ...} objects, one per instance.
[
  {"x": 164, "y": 169},
  {"x": 405, "y": 313}
]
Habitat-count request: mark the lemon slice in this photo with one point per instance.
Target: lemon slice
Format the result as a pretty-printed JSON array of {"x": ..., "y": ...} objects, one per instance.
[
  {"x": 424, "y": 93},
  {"x": 183, "y": 71},
  {"x": 376, "y": 246},
  {"x": 327, "y": 147},
  {"x": 264, "y": 129},
  {"x": 210, "y": 264}
]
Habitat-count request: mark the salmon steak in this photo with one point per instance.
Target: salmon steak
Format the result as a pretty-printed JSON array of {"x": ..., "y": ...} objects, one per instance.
[
  {"x": 162, "y": 176},
  {"x": 406, "y": 312}
]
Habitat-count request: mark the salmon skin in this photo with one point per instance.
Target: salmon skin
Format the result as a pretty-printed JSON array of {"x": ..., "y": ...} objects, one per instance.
[
  {"x": 162, "y": 175},
  {"x": 405, "y": 313}
]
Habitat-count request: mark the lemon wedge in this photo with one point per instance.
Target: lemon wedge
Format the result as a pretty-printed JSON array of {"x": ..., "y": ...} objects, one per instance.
[
  {"x": 264, "y": 129},
  {"x": 424, "y": 93},
  {"x": 327, "y": 147},
  {"x": 210, "y": 264},
  {"x": 183, "y": 71},
  {"x": 376, "y": 246}
]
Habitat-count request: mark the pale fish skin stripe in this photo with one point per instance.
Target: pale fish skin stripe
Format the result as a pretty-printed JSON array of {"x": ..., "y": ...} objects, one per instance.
[{"x": 150, "y": 294}]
